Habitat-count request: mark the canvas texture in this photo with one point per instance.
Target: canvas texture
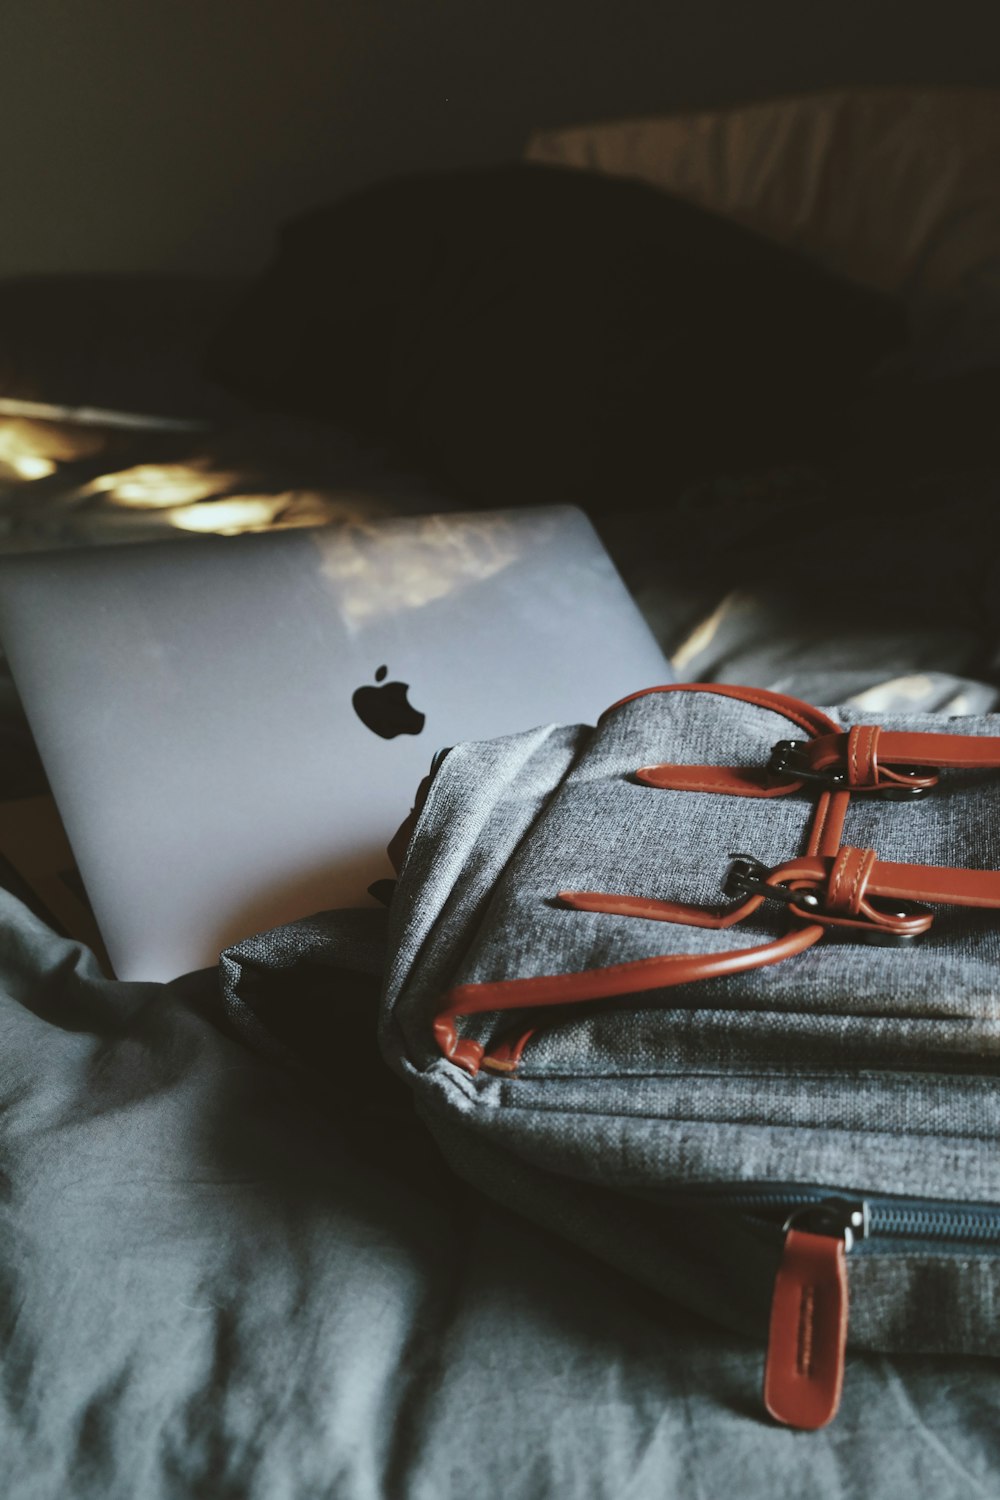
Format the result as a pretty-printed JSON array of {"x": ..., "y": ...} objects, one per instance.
[{"x": 630, "y": 1123}]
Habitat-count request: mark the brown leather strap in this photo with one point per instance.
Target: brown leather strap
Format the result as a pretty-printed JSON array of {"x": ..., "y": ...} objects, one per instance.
[
  {"x": 659, "y": 911},
  {"x": 729, "y": 781},
  {"x": 846, "y": 885},
  {"x": 662, "y": 972},
  {"x": 961, "y": 752},
  {"x": 869, "y": 757},
  {"x": 736, "y": 781},
  {"x": 826, "y": 828},
  {"x": 941, "y": 885},
  {"x": 847, "y": 880},
  {"x": 861, "y": 754},
  {"x": 812, "y": 720}
]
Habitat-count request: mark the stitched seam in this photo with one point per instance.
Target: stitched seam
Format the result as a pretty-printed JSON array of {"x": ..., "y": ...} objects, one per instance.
[
  {"x": 854, "y": 900},
  {"x": 836, "y": 875},
  {"x": 901, "y": 1078},
  {"x": 807, "y": 1320},
  {"x": 762, "y": 1120}
]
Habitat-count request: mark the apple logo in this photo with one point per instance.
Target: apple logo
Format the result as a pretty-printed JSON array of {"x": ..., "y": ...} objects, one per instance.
[{"x": 386, "y": 710}]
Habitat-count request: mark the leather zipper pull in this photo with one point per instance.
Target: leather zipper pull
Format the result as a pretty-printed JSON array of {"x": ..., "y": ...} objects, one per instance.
[{"x": 807, "y": 1339}]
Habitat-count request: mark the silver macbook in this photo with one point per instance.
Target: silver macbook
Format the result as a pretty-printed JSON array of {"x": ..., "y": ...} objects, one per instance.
[{"x": 233, "y": 728}]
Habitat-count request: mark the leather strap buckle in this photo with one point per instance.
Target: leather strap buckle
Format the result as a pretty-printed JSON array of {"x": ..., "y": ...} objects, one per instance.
[
  {"x": 789, "y": 762},
  {"x": 748, "y": 877}
]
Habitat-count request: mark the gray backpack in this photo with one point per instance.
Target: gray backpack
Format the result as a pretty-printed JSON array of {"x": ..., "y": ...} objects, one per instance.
[{"x": 714, "y": 989}]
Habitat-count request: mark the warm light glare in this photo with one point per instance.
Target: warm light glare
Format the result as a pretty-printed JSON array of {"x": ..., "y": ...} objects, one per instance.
[
  {"x": 192, "y": 496},
  {"x": 411, "y": 568},
  {"x": 31, "y": 466},
  {"x": 34, "y": 449},
  {"x": 234, "y": 514},
  {"x": 160, "y": 486},
  {"x": 22, "y": 454}
]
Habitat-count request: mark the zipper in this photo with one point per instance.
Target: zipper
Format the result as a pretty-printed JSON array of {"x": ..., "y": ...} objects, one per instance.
[
  {"x": 807, "y": 1329},
  {"x": 886, "y": 1219}
]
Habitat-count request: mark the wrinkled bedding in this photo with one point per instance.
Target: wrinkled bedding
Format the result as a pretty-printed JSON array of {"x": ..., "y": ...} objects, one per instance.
[
  {"x": 223, "y": 1274},
  {"x": 222, "y": 1277}
]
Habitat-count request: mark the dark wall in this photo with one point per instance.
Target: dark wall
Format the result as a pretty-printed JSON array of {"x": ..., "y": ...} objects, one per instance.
[{"x": 175, "y": 134}]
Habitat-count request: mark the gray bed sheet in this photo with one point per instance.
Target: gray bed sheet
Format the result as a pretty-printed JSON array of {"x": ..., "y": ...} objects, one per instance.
[{"x": 219, "y": 1281}]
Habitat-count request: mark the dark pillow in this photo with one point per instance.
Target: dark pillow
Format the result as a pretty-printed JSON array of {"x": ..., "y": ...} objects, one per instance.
[{"x": 532, "y": 333}]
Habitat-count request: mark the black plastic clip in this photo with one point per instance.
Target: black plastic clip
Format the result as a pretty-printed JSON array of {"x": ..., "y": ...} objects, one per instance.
[
  {"x": 748, "y": 877},
  {"x": 788, "y": 763}
]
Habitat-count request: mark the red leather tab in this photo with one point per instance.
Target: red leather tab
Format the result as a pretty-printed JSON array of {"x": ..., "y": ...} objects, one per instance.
[
  {"x": 808, "y": 1332},
  {"x": 464, "y": 1052},
  {"x": 659, "y": 911},
  {"x": 730, "y": 781},
  {"x": 505, "y": 1057}
]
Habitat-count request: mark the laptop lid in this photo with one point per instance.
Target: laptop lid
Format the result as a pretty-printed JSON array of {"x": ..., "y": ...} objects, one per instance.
[{"x": 233, "y": 728}]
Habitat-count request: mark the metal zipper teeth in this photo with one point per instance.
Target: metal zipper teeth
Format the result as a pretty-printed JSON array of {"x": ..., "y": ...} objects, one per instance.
[
  {"x": 887, "y": 1220},
  {"x": 923, "y": 1224}
]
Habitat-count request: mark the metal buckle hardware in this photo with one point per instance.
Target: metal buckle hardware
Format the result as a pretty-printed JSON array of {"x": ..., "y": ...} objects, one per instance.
[
  {"x": 748, "y": 877},
  {"x": 788, "y": 763}
]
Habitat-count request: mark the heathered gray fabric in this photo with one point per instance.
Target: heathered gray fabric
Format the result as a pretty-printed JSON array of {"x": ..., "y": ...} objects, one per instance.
[
  {"x": 863, "y": 1070},
  {"x": 216, "y": 1282},
  {"x": 351, "y": 940}
]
